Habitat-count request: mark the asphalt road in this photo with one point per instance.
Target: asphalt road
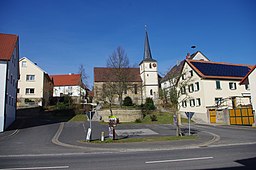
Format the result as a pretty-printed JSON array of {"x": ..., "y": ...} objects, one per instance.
[
  {"x": 224, "y": 157},
  {"x": 31, "y": 147}
]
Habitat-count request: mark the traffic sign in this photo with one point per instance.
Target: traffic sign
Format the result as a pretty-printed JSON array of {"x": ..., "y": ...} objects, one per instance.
[{"x": 189, "y": 114}]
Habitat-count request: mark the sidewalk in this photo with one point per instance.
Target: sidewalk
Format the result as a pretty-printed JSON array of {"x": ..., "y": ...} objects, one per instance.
[{"x": 73, "y": 134}]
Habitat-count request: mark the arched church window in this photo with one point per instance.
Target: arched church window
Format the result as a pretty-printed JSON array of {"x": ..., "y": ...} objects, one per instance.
[{"x": 150, "y": 66}]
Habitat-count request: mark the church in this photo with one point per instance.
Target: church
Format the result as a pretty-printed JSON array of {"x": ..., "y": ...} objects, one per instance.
[{"x": 142, "y": 82}]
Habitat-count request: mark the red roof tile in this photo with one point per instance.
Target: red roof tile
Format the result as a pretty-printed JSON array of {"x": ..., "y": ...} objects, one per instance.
[
  {"x": 103, "y": 74},
  {"x": 7, "y": 45},
  {"x": 66, "y": 79}
]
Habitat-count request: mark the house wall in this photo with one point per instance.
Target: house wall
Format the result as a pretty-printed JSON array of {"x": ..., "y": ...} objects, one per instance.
[
  {"x": 47, "y": 90},
  {"x": 74, "y": 91},
  {"x": 252, "y": 84},
  {"x": 3, "y": 70},
  {"x": 136, "y": 98},
  {"x": 37, "y": 84},
  {"x": 8, "y": 89}
]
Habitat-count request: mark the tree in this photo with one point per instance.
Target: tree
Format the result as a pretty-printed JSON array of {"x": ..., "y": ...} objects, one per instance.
[
  {"x": 177, "y": 93},
  {"x": 108, "y": 92},
  {"x": 84, "y": 77},
  {"x": 119, "y": 63}
]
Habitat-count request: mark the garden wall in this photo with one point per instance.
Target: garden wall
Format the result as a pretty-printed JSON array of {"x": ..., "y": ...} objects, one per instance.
[{"x": 123, "y": 115}]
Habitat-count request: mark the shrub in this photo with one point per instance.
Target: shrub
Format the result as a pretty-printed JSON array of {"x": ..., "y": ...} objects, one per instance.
[
  {"x": 153, "y": 117},
  {"x": 138, "y": 121},
  {"x": 127, "y": 101},
  {"x": 149, "y": 104}
]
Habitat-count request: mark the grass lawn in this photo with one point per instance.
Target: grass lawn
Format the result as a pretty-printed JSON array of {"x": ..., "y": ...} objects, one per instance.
[
  {"x": 162, "y": 118},
  {"x": 147, "y": 139},
  {"x": 78, "y": 117}
]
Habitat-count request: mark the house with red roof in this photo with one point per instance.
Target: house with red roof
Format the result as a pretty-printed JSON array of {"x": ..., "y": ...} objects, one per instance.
[
  {"x": 71, "y": 85},
  {"x": 211, "y": 85},
  {"x": 249, "y": 81},
  {"x": 9, "y": 75},
  {"x": 35, "y": 87}
]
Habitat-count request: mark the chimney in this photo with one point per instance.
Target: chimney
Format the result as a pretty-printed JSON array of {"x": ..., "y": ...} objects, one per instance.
[{"x": 188, "y": 56}]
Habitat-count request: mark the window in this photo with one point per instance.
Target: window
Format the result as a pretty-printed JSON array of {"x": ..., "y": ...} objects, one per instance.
[
  {"x": 232, "y": 86},
  {"x": 184, "y": 103},
  {"x": 198, "y": 102},
  {"x": 218, "y": 101},
  {"x": 191, "y": 73},
  {"x": 18, "y": 90},
  {"x": 197, "y": 86},
  {"x": 125, "y": 89},
  {"x": 183, "y": 76},
  {"x": 183, "y": 90},
  {"x": 192, "y": 102},
  {"x": 150, "y": 66},
  {"x": 191, "y": 88},
  {"x": 247, "y": 87},
  {"x": 151, "y": 92},
  {"x": 218, "y": 85},
  {"x": 30, "y": 91},
  {"x": 23, "y": 64},
  {"x": 135, "y": 89},
  {"x": 30, "y": 78},
  {"x": 11, "y": 79}
]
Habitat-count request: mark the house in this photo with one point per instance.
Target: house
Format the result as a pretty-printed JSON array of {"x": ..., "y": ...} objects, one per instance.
[
  {"x": 71, "y": 85},
  {"x": 249, "y": 81},
  {"x": 9, "y": 75},
  {"x": 35, "y": 87},
  {"x": 211, "y": 85},
  {"x": 170, "y": 78},
  {"x": 142, "y": 82}
]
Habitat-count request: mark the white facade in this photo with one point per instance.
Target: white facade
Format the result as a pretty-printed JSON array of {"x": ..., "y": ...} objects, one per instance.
[
  {"x": 252, "y": 84},
  {"x": 9, "y": 75},
  {"x": 204, "y": 93},
  {"x": 34, "y": 85},
  {"x": 74, "y": 91},
  {"x": 149, "y": 76}
]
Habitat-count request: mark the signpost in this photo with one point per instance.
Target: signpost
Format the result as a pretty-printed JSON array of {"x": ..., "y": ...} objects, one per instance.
[
  {"x": 189, "y": 115},
  {"x": 89, "y": 132}
]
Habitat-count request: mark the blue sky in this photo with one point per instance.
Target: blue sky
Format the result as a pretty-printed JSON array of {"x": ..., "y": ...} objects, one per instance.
[{"x": 59, "y": 35}]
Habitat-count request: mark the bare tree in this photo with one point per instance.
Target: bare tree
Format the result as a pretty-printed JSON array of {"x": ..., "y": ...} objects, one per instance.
[
  {"x": 119, "y": 63},
  {"x": 176, "y": 93},
  {"x": 108, "y": 93},
  {"x": 81, "y": 70}
]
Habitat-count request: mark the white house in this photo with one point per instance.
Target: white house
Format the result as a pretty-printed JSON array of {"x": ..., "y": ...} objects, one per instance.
[
  {"x": 171, "y": 77},
  {"x": 211, "y": 84},
  {"x": 9, "y": 75},
  {"x": 249, "y": 81},
  {"x": 71, "y": 85},
  {"x": 35, "y": 86}
]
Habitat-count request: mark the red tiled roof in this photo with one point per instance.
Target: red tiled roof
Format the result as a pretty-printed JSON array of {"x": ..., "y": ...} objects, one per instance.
[
  {"x": 7, "y": 45},
  {"x": 66, "y": 79},
  {"x": 244, "y": 80},
  {"x": 103, "y": 74}
]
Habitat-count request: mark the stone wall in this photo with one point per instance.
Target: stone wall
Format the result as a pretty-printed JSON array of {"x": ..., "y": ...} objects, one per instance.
[{"x": 123, "y": 115}]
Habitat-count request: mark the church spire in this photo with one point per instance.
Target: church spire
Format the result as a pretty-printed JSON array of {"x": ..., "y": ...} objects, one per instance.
[{"x": 147, "y": 51}]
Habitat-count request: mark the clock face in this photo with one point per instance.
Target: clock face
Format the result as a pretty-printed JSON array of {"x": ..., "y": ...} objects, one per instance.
[{"x": 154, "y": 65}]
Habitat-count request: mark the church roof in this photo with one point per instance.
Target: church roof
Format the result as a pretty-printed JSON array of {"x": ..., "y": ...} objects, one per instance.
[
  {"x": 104, "y": 74},
  {"x": 147, "y": 51}
]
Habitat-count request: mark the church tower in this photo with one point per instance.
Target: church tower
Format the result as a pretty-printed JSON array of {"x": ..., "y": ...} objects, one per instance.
[{"x": 148, "y": 73}]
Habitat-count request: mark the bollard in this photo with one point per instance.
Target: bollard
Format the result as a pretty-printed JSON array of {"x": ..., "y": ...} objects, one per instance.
[{"x": 102, "y": 136}]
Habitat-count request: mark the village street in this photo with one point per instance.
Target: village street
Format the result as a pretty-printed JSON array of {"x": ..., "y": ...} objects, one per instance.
[{"x": 40, "y": 143}]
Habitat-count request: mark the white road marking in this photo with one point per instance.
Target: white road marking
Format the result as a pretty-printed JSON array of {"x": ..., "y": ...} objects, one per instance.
[
  {"x": 178, "y": 160},
  {"x": 37, "y": 168}
]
